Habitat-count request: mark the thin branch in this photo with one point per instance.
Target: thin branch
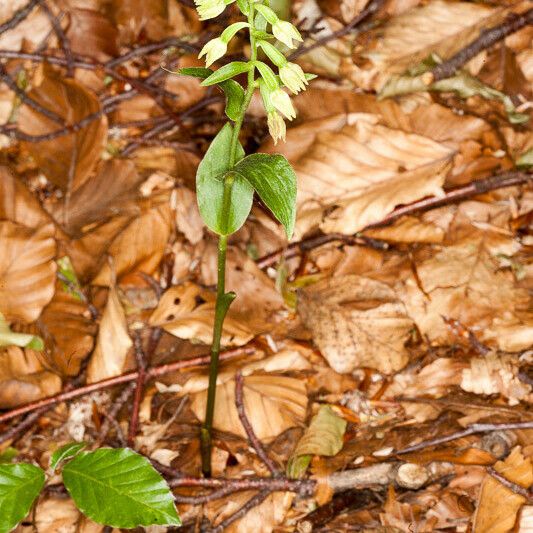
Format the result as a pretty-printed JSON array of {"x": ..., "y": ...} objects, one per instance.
[
  {"x": 464, "y": 192},
  {"x": 22, "y": 426},
  {"x": 18, "y": 17},
  {"x": 371, "y": 9},
  {"x": 252, "y": 437},
  {"x": 470, "y": 430},
  {"x": 486, "y": 39},
  {"x": 128, "y": 377},
  {"x": 517, "y": 489},
  {"x": 111, "y": 415}
]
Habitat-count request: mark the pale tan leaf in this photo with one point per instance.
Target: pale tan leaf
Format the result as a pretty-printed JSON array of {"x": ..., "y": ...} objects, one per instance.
[
  {"x": 188, "y": 312},
  {"x": 68, "y": 331},
  {"x": 525, "y": 524},
  {"x": 273, "y": 404},
  {"x": 112, "y": 344},
  {"x": 31, "y": 31},
  {"x": 495, "y": 374},
  {"x": 23, "y": 378},
  {"x": 60, "y": 515},
  {"x": 498, "y": 505},
  {"x": 408, "y": 229},
  {"x": 356, "y": 322},
  {"x": 188, "y": 219},
  {"x": 260, "y": 519},
  {"x": 355, "y": 176},
  {"x": 464, "y": 282},
  {"x": 140, "y": 247},
  {"x": 439, "y": 27},
  {"x": 27, "y": 270},
  {"x": 67, "y": 161}
]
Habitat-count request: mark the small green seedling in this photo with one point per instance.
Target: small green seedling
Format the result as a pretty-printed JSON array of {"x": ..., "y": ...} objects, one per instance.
[{"x": 227, "y": 178}]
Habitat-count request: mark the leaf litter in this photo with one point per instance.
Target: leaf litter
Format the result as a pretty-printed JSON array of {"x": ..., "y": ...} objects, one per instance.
[{"x": 399, "y": 314}]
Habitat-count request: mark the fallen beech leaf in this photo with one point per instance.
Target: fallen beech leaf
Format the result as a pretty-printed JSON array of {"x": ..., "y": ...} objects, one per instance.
[
  {"x": 112, "y": 344},
  {"x": 464, "y": 282},
  {"x": 27, "y": 270},
  {"x": 23, "y": 378},
  {"x": 525, "y": 524},
  {"x": 188, "y": 312},
  {"x": 55, "y": 515},
  {"x": 31, "y": 31},
  {"x": 439, "y": 27},
  {"x": 260, "y": 519},
  {"x": 68, "y": 331},
  {"x": 140, "y": 247},
  {"x": 355, "y": 176},
  {"x": 408, "y": 229},
  {"x": 68, "y": 160},
  {"x": 188, "y": 219},
  {"x": 470, "y": 456},
  {"x": 272, "y": 403},
  {"x": 356, "y": 322},
  {"x": 498, "y": 506},
  {"x": 323, "y": 437}
]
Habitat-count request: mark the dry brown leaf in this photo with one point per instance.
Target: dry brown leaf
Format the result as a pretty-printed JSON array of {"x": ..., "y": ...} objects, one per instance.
[
  {"x": 112, "y": 344},
  {"x": 68, "y": 331},
  {"x": 498, "y": 505},
  {"x": 67, "y": 161},
  {"x": 260, "y": 519},
  {"x": 409, "y": 229},
  {"x": 356, "y": 322},
  {"x": 438, "y": 27},
  {"x": 188, "y": 312},
  {"x": 464, "y": 282},
  {"x": 60, "y": 515},
  {"x": 495, "y": 374},
  {"x": 354, "y": 175},
  {"x": 272, "y": 403},
  {"x": 27, "y": 270},
  {"x": 23, "y": 378},
  {"x": 110, "y": 192},
  {"x": 141, "y": 245},
  {"x": 31, "y": 31},
  {"x": 17, "y": 203},
  {"x": 188, "y": 219},
  {"x": 525, "y": 524}
]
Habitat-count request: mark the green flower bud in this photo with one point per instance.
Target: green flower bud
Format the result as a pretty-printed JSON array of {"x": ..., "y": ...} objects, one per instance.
[
  {"x": 208, "y": 9},
  {"x": 276, "y": 126},
  {"x": 286, "y": 32},
  {"x": 213, "y": 50},
  {"x": 282, "y": 102},
  {"x": 293, "y": 77}
]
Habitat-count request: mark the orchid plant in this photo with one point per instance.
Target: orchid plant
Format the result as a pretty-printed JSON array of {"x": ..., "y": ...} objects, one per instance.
[{"x": 226, "y": 180}]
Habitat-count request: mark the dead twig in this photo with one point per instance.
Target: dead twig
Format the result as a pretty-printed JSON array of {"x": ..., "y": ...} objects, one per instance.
[
  {"x": 458, "y": 194},
  {"x": 18, "y": 17},
  {"x": 128, "y": 377},
  {"x": 252, "y": 437},
  {"x": 517, "y": 489},
  {"x": 486, "y": 39},
  {"x": 470, "y": 430}
]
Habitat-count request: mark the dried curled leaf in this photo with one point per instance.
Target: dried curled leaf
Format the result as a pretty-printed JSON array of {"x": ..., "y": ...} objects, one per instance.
[
  {"x": 356, "y": 322},
  {"x": 272, "y": 403}
]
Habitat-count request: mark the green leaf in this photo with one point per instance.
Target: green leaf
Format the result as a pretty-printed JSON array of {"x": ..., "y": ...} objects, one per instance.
[
  {"x": 275, "y": 182},
  {"x": 268, "y": 75},
  {"x": 66, "y": 452},
  {"x": 226, "y": 72},
  {"x": 8, "y": 455},
  {"x": 210, "y": 188},
  {"x": 324, "y": 437},
  {"x": 20, "y": 484},
  {"x": 66, "y": 270},
  {"x": 24, "y": 340},
  {"x": 119, "y": 488},
  {"x": 233, "y": 90}
]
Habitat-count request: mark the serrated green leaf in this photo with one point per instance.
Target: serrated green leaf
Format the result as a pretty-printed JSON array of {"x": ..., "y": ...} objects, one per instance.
[
  {"x": 210, "y": 188},
  {"x": 65, "y": 452},
  {"x": 20, "y": 484},
  {"x": 226, "y": 72},
  {"x": 119, "y": 488},
  {"x": 324, "y": 437},
  {"x": 24, "y": 340},
  {"x": 275, "y": 182},
  {"x": 233, "y": 91}
]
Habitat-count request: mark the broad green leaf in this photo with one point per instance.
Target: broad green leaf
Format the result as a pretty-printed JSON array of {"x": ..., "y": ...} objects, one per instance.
[
  {"x": 233, "y": 90},
  {"x": 8, "y": 455},
  {"x": 20, "y": 484},
  {"x": 275, "y": 182},
  {"x": 324, "y": 436},
  {"x": 119, "y": 488},
  {"x": 268, "y": 75},
  {"x": 210, "y": 187},
  {"x": 66, "y": 452},
  {"x": 226, "y": 72},
  {"x": 11, "y": 338}
]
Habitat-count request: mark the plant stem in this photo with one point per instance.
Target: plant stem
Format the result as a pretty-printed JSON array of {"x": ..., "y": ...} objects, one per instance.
[{"x": 224, "y": 299}]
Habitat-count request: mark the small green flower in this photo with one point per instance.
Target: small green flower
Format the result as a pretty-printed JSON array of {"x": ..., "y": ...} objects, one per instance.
[
  {"x": 276, "y": 126},
  {"x": 213, "y": 50},
  {"x": 208, "y": 9},
  {"x": 282, "y": 102},
  {"x": 293, "y": 77},
  {"x": 285, "y": 32}
]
